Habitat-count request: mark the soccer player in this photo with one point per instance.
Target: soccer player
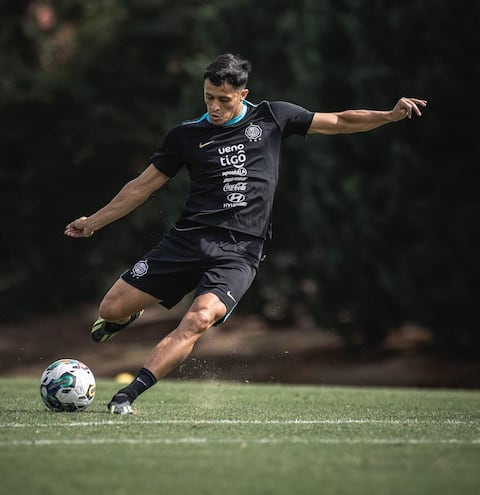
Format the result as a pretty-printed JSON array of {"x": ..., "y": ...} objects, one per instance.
[{"x": 232, "y": 155}]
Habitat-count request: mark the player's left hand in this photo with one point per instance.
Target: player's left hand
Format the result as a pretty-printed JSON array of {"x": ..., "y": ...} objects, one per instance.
[{"x": 406, "y": 107}]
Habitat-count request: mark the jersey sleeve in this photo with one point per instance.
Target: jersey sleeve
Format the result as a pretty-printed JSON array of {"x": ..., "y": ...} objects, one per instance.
[
  {"x": 167, "y": 158},
  {"x": 292, "y": 119}
]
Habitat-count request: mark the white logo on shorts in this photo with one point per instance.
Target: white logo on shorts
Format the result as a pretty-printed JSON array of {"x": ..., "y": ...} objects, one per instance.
[{"x": 140, "y": 269}]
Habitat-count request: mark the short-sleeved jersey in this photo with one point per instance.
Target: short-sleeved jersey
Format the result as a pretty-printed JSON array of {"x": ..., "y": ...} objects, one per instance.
[{"x": 233, "y": 168}]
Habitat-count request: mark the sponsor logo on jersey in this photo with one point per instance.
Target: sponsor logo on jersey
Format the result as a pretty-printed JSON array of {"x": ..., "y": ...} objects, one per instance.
[
  {"x": 233, "y": 155},
  {"x": 236, "y": 197},
  {"x": 238, "y": 186},
  {"x": 231, "y": 149},
  {"x": 235, "y": 180},
  {"x": 241, "y": 172},
  {"x": 234, "y": 205}
]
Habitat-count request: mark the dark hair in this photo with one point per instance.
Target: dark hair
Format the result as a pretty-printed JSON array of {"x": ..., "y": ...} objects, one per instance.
[{"x": 228, "y": 68}]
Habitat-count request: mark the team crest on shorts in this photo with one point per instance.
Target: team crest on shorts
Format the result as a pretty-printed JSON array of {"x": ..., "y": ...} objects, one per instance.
[
  {"x": 253, "y": 132},
  {"x": 140, "y": 269}
]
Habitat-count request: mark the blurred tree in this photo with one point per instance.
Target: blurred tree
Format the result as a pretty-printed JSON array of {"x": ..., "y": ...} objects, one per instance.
[{"x": 370, "y": 230}]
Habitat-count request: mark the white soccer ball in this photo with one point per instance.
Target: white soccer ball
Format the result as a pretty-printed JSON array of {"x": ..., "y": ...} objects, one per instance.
[{"x": 67, "y": 385}]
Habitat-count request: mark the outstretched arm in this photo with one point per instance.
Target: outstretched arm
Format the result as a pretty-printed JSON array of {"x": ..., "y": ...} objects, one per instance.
[
  {"x": 132, "y": 195},
  {"x": 351, "y": 121}
]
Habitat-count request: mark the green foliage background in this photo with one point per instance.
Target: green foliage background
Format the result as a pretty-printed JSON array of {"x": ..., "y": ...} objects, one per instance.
[{"x": 370, "y": 230}]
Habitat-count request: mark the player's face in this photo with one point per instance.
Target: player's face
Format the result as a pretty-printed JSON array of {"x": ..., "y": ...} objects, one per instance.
[{"x": 223, "y": 102}]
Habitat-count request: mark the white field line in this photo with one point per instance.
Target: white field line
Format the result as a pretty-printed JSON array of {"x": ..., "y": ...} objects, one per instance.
[
  {"x": 260, "y": 422},
  {"x": 242, "y": 442}
]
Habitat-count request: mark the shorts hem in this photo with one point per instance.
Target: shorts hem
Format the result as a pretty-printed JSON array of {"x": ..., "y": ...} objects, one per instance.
[{"x": 131, "y": 282}]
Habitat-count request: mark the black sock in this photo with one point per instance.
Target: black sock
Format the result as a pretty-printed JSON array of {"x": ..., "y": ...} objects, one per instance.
[{"x": 143, "y": 381}]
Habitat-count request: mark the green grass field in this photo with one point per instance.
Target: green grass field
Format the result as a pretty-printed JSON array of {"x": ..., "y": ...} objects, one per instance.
[{"x": 210, "y": 438}]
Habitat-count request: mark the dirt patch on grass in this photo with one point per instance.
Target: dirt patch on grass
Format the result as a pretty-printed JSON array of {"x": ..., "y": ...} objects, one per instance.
[{"x": 243, "y": 349}]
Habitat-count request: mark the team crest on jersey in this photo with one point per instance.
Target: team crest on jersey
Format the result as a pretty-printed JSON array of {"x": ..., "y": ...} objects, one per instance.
[
  {"x": 253, "y": 132},
  {"x": 140, "y": 269}
]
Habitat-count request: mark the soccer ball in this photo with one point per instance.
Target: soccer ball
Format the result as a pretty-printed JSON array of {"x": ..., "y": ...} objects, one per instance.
[{"x": 67, "y": 385}]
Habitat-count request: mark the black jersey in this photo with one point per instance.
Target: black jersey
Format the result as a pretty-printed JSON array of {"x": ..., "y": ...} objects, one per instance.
[{"x": 233, "y": 168}]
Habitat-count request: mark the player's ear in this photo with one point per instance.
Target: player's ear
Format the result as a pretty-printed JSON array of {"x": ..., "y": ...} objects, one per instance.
[{"x": 243, "y": 93}]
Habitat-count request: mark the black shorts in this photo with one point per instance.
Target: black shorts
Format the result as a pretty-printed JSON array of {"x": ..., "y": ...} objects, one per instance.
[{"x": 207, "y": 260}]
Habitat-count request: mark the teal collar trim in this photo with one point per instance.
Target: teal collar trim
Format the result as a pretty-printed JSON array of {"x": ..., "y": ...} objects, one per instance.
[{"x": 236, "y": 119}]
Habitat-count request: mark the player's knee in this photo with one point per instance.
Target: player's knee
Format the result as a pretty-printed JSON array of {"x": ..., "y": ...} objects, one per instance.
[
  {"x": 110, "y": 310},
  {"x": 197, "y": 322}
]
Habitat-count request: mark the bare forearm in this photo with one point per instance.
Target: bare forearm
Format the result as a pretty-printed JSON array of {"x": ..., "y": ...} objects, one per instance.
[
  {"x": 128, "y": 198},
  {"x": 351, "y": 121},
  {"x": 132, "y": 195}
]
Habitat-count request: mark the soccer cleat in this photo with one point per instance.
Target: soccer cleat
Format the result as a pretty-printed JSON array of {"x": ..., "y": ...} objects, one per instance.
[
  {"x": 103, "y": 330},
  {"x": 120, "y": 404}
]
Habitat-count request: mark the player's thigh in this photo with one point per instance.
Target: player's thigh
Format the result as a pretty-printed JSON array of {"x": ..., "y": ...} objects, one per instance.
[{"x": 122, "y": 300}]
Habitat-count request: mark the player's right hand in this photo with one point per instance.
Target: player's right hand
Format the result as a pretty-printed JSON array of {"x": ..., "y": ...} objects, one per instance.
[{"x": 78, "y": 228}]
